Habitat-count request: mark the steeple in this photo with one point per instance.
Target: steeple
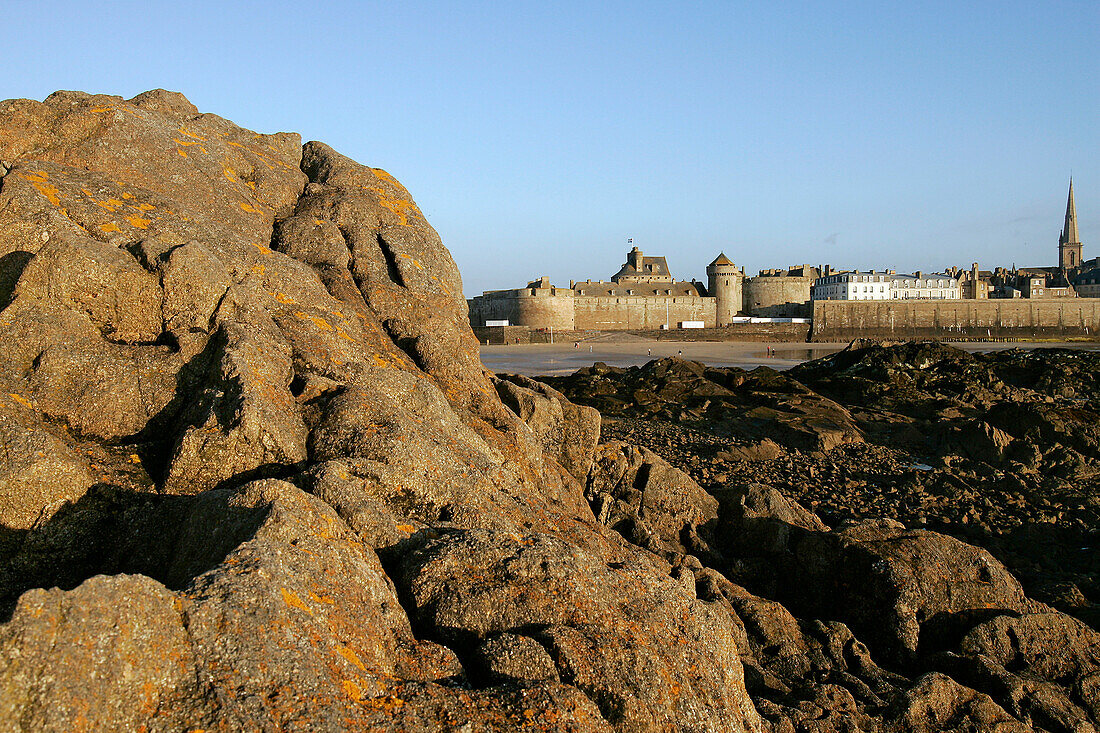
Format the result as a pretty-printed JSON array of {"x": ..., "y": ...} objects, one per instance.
[
  {"x": 1069, "y": 246},
  {"x": 1069, "y": 231}
]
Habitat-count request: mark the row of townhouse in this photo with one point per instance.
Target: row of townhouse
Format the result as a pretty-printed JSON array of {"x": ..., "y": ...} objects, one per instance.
[{"x": 885, "y": 285}]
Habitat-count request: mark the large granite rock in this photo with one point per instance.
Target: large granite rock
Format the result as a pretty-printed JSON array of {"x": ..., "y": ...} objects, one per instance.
[{"x": 236, "y": 372}]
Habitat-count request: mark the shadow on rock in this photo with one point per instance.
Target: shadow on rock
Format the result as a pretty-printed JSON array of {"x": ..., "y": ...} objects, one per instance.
[{"x": 110, "y": 531}]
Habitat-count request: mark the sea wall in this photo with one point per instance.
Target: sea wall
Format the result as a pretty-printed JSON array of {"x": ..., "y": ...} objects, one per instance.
[
  {"x": 961, "y": 319},
  {"x": 532, "y": 307},
  {"x": 620, "y": 313},
  {"x": 785, "y": 332}
]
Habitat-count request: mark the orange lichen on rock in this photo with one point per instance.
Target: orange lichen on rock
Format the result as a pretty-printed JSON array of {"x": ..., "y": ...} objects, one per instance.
[
  {"x": 245, "y": 206},
  {"x": 349, "y": 654},
  {"x": 291, "y": 599},
  {"x": 21, "y": 400},
  {"x": 321, "y": 323},
  {"x": 38, "y": 180},
  {"x": 398, "y": 206},
  {"x": 354, "y": 691},
  {"x": 109, "y": 227},
  {"x": 345, "y": 335},
  {"x": 138, "y": 222},
  {"x": 183, "y": 131}
]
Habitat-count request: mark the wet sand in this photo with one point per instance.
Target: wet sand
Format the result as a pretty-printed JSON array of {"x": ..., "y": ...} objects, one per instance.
[{"x": 557, "y": 359}]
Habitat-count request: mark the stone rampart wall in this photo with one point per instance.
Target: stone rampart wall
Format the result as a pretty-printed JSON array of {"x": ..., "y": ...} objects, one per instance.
[
  {"x": 620, "y": 313},
  {"x": 564, "y": 311},
  {"x": 963, "y": 319},
  {"x": 775, "y": 297},
  {"x": 520, "y": 308},
  {"x": 505, "y": 335}
]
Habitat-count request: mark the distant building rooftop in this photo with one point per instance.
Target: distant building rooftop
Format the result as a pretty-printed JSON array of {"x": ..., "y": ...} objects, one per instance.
[
  {"x": 639, "y": 268},
  {"x": 597, "y": 288}
]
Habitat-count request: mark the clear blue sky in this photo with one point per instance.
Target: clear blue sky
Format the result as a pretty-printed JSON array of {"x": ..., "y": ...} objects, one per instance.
[{"x": 538, "y": 137}]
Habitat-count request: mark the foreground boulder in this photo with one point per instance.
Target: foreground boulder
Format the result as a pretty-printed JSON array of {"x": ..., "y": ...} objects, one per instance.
[
  {"x": 469, "y": 588},
  {"x": 255, "y": 477},
  {"x": 656, "y": 506}
]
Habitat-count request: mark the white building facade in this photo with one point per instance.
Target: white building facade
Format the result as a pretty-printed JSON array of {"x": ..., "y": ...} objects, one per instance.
[
  {"x": 874, "y": 285},
  {"x": 868, "y": 285},
  {"x": 920, "y": 286}
]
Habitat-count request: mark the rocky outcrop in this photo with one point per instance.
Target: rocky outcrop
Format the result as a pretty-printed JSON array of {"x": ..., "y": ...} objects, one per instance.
[
  {"x": 255, "y": 477},
  {"x": 656, "y": 506},
  {"x": 877, "y": 624},
  {"x": 755, "y": 406},
  {"x": 567, "y": 432}
]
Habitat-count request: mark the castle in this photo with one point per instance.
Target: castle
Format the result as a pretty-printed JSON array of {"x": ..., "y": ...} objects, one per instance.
[{"x": 641, "y": 295}]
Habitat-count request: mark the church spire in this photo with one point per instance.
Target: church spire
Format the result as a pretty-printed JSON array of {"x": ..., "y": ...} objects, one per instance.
[
  {"x": 1069, "y": 231},
  {"x": 1069, "y": 246}
]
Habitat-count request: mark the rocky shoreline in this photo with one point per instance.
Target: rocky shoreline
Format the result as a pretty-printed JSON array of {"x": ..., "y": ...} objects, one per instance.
[
  {"x": 996, "y": 450},
  {"x": 254, "y": 476}
]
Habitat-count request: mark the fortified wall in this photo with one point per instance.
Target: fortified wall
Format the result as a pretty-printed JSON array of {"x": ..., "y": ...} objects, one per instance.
[
  {"x": 1031, "y": 318},
  {"x": 642, "y": 295},
  {"x": 538, "y": 306},
  {"x": 651, "y": 312},
  {"x": 780, "y": 293}
]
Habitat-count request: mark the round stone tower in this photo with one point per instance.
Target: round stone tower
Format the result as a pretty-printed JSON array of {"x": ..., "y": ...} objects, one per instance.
[{"x": 724, "y": 281}]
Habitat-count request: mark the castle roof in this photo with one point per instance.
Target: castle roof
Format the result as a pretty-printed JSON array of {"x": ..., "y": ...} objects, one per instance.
[
  {"x": 721, "y": 259},
  {"x": 650, "y": 267},
  {"x": 590, "y": 288}
]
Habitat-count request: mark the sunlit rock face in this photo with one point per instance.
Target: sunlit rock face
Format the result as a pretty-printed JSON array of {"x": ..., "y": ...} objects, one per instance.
[{"x": 254, "y": 475}]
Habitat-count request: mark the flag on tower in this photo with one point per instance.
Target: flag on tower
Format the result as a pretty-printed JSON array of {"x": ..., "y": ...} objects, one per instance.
[{"x": 630, "y": 241}]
